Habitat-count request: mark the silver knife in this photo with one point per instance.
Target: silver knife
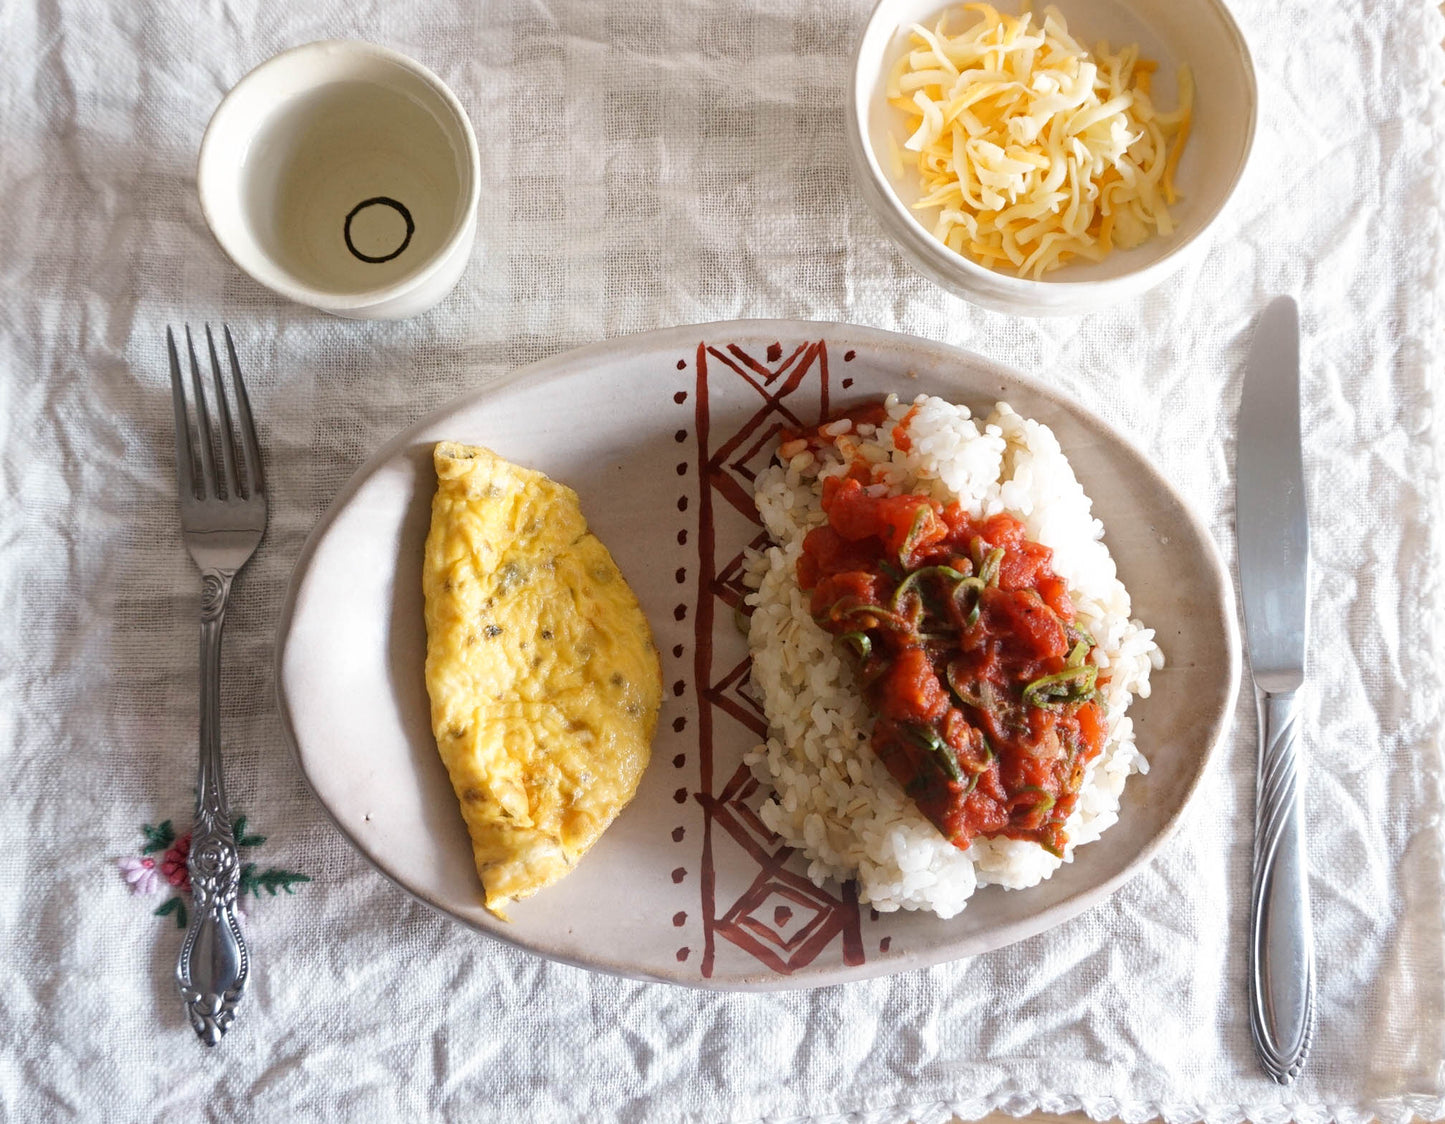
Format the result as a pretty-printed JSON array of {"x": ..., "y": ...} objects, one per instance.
[{"x": 1274, "y": 548}]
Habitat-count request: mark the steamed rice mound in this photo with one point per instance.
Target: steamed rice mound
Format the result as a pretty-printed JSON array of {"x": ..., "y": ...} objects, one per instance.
[{"x": 832, "y": 798}]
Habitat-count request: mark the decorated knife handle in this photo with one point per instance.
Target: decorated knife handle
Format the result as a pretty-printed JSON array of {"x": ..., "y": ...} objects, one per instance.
[{"x": 1281, "y": 945}]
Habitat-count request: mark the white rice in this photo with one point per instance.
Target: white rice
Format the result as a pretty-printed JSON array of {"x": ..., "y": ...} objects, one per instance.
[{"x": 832, "y": 798}]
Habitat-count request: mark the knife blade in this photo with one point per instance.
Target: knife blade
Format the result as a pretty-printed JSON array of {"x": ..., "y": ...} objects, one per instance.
[{"x": 1272, "y": 523}]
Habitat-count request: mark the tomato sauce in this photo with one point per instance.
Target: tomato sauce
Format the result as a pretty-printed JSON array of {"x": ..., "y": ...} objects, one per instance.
[{"x": 964, "y": 639}]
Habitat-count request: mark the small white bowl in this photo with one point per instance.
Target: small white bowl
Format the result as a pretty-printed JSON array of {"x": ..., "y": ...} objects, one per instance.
[
  {"x": 1198, "y": 32},
  {"x": 344, "y": 176}
]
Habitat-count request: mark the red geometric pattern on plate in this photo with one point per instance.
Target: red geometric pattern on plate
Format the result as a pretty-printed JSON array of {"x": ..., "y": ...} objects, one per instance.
[
  {"x": 729, "y": 581},
  {"x": 781, "y": 919},
  {"x": 731, "y": 693}
]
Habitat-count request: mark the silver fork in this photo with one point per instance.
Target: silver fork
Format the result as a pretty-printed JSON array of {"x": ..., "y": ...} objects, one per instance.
[{"x": 222, "y": 520}]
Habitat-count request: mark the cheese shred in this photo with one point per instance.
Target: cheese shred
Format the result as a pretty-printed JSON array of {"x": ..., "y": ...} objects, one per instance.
[{"x": 1032, "y": 150}]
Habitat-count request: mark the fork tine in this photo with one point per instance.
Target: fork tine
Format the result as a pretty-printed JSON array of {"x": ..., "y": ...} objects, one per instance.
[
  {"x": 185, "y": 468},
  {"x": 203, "y": 424},
  {"x": 228, "y": 458},
  {"x": 255, "y": 478}
]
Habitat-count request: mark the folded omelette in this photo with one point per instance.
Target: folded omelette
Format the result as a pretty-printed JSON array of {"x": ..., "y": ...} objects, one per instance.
[{"x": 544, "y": 680}]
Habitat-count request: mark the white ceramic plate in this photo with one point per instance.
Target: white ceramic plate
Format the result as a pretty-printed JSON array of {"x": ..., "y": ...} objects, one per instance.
[{"x": 687, "y": 886}]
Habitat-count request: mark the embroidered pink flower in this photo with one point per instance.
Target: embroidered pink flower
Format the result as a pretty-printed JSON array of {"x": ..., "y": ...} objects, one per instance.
[
  {"x": 173, "y": 864},
  {"x": 161, "y": 868},
  {"x": 141, "y": 874}
]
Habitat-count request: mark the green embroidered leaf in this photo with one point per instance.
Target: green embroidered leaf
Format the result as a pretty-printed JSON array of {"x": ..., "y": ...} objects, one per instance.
[
  {"x": 271, "y": 880},
  {"x": 176, "y": 906},
  {"x": 238, "y": 829},
  {"x": 158, "y": 838}
]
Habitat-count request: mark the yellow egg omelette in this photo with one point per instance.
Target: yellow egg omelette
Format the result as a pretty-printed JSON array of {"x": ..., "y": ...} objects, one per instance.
[{"x": 544, "y": 680}]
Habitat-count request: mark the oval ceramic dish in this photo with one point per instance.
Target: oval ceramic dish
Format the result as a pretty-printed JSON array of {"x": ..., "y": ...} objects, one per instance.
[{"x": 661, "y": 435}]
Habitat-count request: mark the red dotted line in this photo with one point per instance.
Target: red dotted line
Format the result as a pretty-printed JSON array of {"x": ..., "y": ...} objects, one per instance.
[{"x": 679, "y": 688}]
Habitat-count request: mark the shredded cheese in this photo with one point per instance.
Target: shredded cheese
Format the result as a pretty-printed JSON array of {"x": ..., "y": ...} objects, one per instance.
[{"x": 1031, "y": 150}]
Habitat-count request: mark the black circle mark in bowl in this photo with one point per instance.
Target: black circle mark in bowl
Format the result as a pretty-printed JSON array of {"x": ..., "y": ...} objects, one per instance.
[{"x": 379, "y": 201}]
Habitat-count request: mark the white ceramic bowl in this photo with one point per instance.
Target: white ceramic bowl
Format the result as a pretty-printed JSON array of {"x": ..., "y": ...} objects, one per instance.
[
  {"x": 344, "y": 176},
  {"x": 1198, "y": 32}
]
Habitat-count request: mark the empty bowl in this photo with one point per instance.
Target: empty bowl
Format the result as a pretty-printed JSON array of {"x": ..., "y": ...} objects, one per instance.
[
  {"x": 1200, "y": 33},
  {"x": 344, "y": 176}
]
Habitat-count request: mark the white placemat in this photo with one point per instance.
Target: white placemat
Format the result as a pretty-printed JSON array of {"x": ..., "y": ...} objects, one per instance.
[{"x": 648, "y": 165}]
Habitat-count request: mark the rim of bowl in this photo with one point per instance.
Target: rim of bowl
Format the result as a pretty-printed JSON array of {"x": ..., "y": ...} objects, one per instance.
[
  {"x": 257, "y": 264},
  {"x": 937, "y": 258}
]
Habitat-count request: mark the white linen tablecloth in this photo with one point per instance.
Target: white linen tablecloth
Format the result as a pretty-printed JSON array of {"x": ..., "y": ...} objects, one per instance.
[{"x": 647, "y": 165}]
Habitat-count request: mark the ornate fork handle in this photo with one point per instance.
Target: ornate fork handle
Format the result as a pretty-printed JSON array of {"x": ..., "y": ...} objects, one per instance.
[
  {"x": 1281, "y": 956},
  {"x": 214, "y": 963}
]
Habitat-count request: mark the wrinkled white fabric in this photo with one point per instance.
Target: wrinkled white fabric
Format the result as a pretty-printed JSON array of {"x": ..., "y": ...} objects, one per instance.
[{"x": 648, "y": 165}]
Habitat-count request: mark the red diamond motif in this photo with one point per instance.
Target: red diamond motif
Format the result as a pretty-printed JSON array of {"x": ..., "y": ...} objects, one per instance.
[
  {"x": 782, "y": 919},
  {"x": 729, "y": 695}
]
